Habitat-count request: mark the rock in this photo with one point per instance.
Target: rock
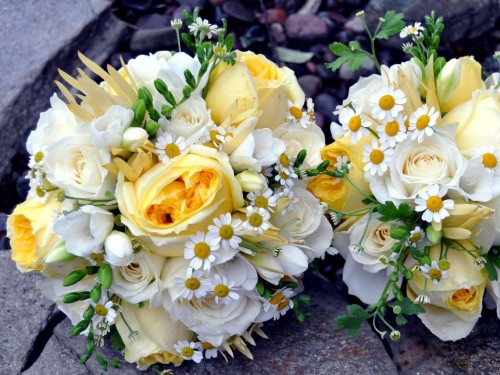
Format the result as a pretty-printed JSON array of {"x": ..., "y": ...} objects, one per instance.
[
  {"x": 140, "y": 5},
  {"x": 306, "y": 27},
  {"x": 26, "y": 314},
  {"x": 152, "y": 21},
  {"x": 463, "y": 19},
  {"x": 237, "y": 10},
  {"x": 311, "y": 85},
  {"x": 193, "y": 3},
  {"x": 278, "y": 33},
  {"x": 326, "y": 73},
  {"x": 217, "y": 2},
  {"x": 419, "y": 351},
  {"x": 355, "y": 26},
  {"x": 325, "y": 104},
  {"x": 310, "y": 7},
  {"x": 62, "y": 28},
  {"x": 274, "y": 15},
  {"x": 152, "y": 40}
]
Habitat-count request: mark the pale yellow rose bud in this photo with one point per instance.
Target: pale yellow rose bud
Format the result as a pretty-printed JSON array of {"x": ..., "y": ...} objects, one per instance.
[
  {"x": 133, "y": 138},
  {"x": 460, "y": 78},
  {"x": 251, "y": 181}
]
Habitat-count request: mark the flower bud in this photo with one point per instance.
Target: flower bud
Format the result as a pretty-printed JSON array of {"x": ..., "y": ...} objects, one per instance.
[
  {"x": 395, "y": 335},
  {"x": 118, "y": 248},
  {"x": 59, "y": 254},
  {"x": 433, "y": 235},
  {"x": 133, "y": 138},
  {"x": 251, "y": 181},
  {"x": 105, "y": 275},
  {"x": 447, "y": 80}
]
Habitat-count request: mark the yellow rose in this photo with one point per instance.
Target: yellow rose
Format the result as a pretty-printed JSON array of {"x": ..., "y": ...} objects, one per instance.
[
  {"x": 463, "y": 219},
  {"x": 478, "y": 121},
  {"x": 253, "y": 83},
  {"x": 457, "y": 81},
  {"x": 29, "y": 228},
  {"x": 172, "y": 201},
  {"x": 339, "y": 193},
  {"x": 157, "y": 334},
  {"x": 456, "y": 302}
]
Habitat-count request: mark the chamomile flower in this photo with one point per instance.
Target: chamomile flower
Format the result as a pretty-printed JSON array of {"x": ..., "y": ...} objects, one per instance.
[
  {"x": 169, "y": 147},
  {"x": 203, "y": 27},
  {"x": 210, "y": 350},
  {"x": 434, "y": 272},
  {"x": 423, "y": 298},
  {"x": 201, "y": 249},
  {"x": 375, "y": 157},
  {"x": 422, "y": 121},
  {"x": 257, "y": 220},
  {"x": 286, "y": 201},
  {"x": 280, "y": 302},
  {"x": 263, "y": 199},
  {"x": 285, "y": 177},
  {"x": 194, "y": 285},
  {"x": 296, "y": 115},
  {"x": 411, "y": 30},
  {"x": 189, "y": 350},
  {"x": 310, "y": 109},
  {"x": 284, "y": 164},
  {"x": 387, "y": 103},
  {"x": 221, "y": 288},
  {"x": 416, "y": 235},
  {"x": 490, "y": 158},
  {"x": 392, "y": 132},
  {"x": 354, "y": 123},
  {"x": 226, "y": 231},
  {"x": 107, "y": 310},
  {"x": 431, "y": 203}
]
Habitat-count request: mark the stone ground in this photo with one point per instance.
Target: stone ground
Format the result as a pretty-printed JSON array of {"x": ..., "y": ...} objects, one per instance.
[{"x": 38, "y": 36}]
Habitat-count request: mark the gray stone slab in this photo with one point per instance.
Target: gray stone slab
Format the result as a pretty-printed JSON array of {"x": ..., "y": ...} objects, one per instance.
[
  {"x": 37, "y": 37},
  {"x": 25, "y": 312}
]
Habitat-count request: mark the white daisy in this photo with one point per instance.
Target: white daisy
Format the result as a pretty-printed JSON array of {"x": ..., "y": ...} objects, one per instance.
[
  {"x": 193, "y": 285},
  {"x": 285, "y": 178},
  {"x": 416, "y": 235},
  {"x": 290, "y": 200},
  {"x": 411, "y": 30},
  {"x": 387, "y": 103},
  {"x": 108, "y": 311},
  {"x": 354, "y": 123},
  {"x": 392, "y": 132},
  {"x": 201, "y": 249},
  {"x": 422, "y": 121},
  {"x": 210, "y": 350},
  {"x": 431, "y": 203},
  {"x": 434, "y": 272},
  {"x": 203, "y": 27},
  {"x": 310, "y": 109},
  {"x": 285, "y": 164},
  {"x": 189, "y": 350},
  {"x": 169, "y": 147},
  {"x": 226, "y": 231},
  {"x": 490, "y": 158},
  {"x": 257, "y": 220},
  {"x": 295, "y": 115},
  {"x": 221, "y": 287},
  {"x": 376, "y": 158},
  {"x": 280, "y": 302},
  {"x": 263, "y": 199}
]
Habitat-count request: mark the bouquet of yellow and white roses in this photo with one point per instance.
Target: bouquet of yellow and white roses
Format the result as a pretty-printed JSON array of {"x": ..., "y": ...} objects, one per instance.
[
  {"x": 167, "y": 207},
  {"x": 413, "y": 185}
]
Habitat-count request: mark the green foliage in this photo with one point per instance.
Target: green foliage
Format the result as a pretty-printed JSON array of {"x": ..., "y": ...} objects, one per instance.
[
  {"x": 353, "y": 55},
  {"x": 389, "y": 212},
  {"x": 352, "y": 321},
  {"x": 492, "y": 263},
  {"x": 392, "y": 25}
]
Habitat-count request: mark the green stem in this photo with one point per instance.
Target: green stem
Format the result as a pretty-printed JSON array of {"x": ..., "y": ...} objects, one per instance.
[
  {"x": 358, "y": 189},
  {"x": 373, "y": 132}
]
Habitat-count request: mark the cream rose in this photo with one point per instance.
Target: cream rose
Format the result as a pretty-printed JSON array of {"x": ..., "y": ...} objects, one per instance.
[
  {"x": 107, "y": 130},
  {"x": 143, "y": 70},
  {"x": 414, "y": 165},
  {"x": 456, "y": 302},
  {"x": 31, "y": 234},
  {"x": 171, "y": 201},
  {"x": 77, "y": 167},
  {"x": 478, "y": 121}
]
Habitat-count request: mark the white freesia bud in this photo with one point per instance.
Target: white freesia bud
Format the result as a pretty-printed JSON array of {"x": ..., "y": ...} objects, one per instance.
[
  {"x": 251, "y": 181},
  {"x": 447, "y": 80},
  {"x": 133, "y": 138},
  {"x": 118, "y": 248},
  {"x": 59, "y": 254},
  {"x": 108, "y": 129}
]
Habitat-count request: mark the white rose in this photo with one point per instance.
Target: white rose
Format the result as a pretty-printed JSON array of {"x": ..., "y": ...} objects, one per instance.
[
  {"x": 409, "y": 68},
  {"x": 140, "y": 280},
  {"x": 144, "y": 69},
  {"x": 189, "y": 120},
  {"x": 216, "y": 322},
  {"x": 297, "y": 138},
  {"x": 493, "y": 287},
  {"x": 359, "y": 93},
  {"x": 107, "y": 130},
  {"x": 495, "y": 205},
  {"x": 76, "y": 166},
  {"x": 55, "y": 123},
  {"x": 118, "y": 248},
  {"x": 414, "y": 165},
  {"x": 85, "y": 230},
  {"x": 478, "y": 184},
  {"x": 492, "y": 81}
]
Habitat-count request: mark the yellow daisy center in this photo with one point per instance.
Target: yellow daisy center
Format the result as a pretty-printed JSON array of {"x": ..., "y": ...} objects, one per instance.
[
  {"x": 277, "y": 298},
  {"x": 172, "y": 150},
  {"x": 296, "y": 112},
  {"x": 187, "y": 351},
  {"x": 202, "y": 250},
  {"x": 38, "y": 157},
  {"x": 97, "y": 257},
  {"x": 226, "y": 232},
  {"x": 210, "y": 144},
  {"x": 284, "y": 160},
  {"x": 221, "y": 290},
  {"x": 422, "y": 122},
  {"x": 255, "y": 220},
  {"x": 434, "y": 203},
  {"x": 490, "y": 160},
  {"x": 283, "y": 304},
  {"x": 392, "y": 128},
  {"x": 415, "y": 237},
  {"x": 261, "y": 202},
  {"x": 386, "y": 102},
  {"x": 354, "y": 123},
  {"x": 444, "y": 264},
  {"x": 207, "y": 346},
  {"x": 283, "y": 175},
  {"x": 435, "y": 274},
  {"x": 192, "y": 283},
  {"x": 376, "y": 156},
  {"x": 101, "y": 310}
]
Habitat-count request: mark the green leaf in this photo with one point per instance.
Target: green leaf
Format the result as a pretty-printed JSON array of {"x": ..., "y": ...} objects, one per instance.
[
  {"x": 293, "y": 56},
  {"x": 389, "y": 212},
  {"x": 408, "y": 307},
  {"x": 354, "y": 57},
  {"x": 490, "y": 266},
  {"x": 401, "y": 320},
  {"x": 117, "y": 341},
  {"x": 352, "y": 321},
  {"x": 392, "y": 25}
]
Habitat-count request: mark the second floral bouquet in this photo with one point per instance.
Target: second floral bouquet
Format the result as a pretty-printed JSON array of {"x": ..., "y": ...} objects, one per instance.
[{"x": 166, "y": 208}]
